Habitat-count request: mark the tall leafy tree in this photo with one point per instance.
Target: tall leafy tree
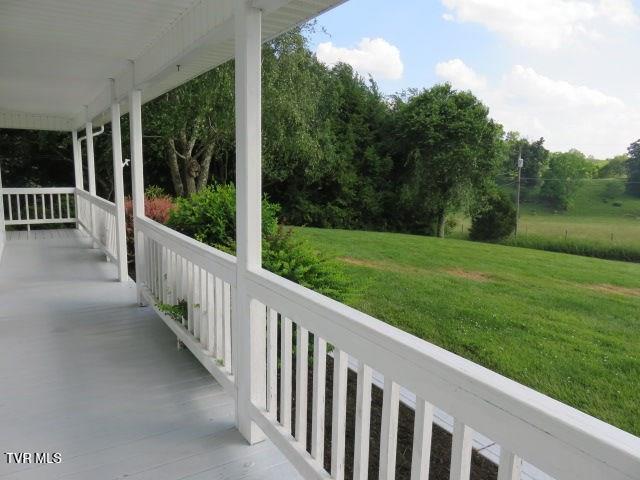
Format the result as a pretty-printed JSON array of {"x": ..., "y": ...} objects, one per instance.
[
  {"x": 194, "y": 123},
  {"x": 633, "y": 169},
  {"x": 564, "y": 175},
  {"x": 534, "y": 155},
  {"x": 448, "y": 147}
]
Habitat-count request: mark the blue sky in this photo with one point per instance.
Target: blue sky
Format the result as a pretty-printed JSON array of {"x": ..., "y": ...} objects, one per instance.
[{"x": 562, "y": 69}]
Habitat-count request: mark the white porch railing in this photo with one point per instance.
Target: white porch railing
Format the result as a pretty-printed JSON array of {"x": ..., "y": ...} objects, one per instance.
[
  {"x": 554, "y": 437},
  {"x": 38, "y": 206},
  {"x": 98, "y": 217},
  {"x": 200, "y": 281}
]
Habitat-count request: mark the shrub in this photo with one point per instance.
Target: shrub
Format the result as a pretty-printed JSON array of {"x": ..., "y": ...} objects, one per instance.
[
  {"x": 154, "y": 191},
  {"x": 496, "y": 220},
  {"x": 156, "y": 208},
  {"x": 209, "y": 217}
]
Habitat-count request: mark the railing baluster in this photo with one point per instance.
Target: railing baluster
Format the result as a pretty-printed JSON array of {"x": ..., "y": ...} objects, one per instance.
[
  {"x": 59, "y": 206},
  {"x": 44, "y": 206},
  {"x": 197, "y": 307},
  {"x": 10, "y": 207},
  {"x": 339, "y": 414},
  {"x": 226, "y": 315},
  {"x": 422, "y": 429},
  {"x": 185, "y": 289},
  {"x": 319, "y": 392},
  {"x": 163, "y": 274},
  {"x": 363, "y": 422},
  {"x": 219, "y": 336},
  {"x": 461, "y": 451},
  {"x": 510, "y": 465},
  {"x": 204, "y": 324},
  {"x": 272, "y": 363},
  {"x": 302, "y": 371},
  {"x": 285, "y": 374},
  {"x": 389, "y": 429},
  {"x": 211, "y": 314},
  {"x": 68, "y": 207},
  {"x": 190, "y": 297},
  {"x": 53, "y": 215}
]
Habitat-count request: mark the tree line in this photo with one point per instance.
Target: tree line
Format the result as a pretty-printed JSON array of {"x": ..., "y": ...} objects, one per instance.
[{"x": 336, "y": 151}]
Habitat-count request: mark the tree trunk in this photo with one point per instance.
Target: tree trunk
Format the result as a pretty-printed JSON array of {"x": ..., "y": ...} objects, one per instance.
[
  {"x": 205, "y": 165},
  {"x": 174, "y": 168},
  {"x": 442, "y": 222}
]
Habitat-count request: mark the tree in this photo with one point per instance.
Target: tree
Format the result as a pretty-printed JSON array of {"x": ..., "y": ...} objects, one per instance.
[
  {"x": 633, "y": 169},
  {"x": 194, "y": 122},
  {"x": 447, "y": 148},
  {"x": 561, "y": 180},
  {"x": 495, "y": 219},
  {"x": 614, "y": 167},
  {"x": 534, "y": 154},
  {"x": 30, "y": 158}
]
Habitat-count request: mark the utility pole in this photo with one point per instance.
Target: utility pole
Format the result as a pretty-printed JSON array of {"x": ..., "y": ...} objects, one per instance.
[{"x": 520, "y": 164}]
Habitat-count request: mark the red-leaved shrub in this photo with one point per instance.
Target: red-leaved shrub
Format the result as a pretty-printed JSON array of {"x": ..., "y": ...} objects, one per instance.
[{"x": 156, "y": 208}]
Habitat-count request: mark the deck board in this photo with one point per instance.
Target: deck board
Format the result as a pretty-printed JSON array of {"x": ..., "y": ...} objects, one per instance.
[{"x": 86, "y": 372}]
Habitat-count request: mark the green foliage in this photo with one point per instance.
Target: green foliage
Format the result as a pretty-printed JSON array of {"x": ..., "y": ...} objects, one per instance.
[
  {"x": 450, "y": 148},
  {"x": 495, "y": 220},
  {"x": 154, "y": 191},
  {"x": 534, "y": 155},
  {"x": 297, "y": 261},
  {"x": 209, "y": 217},
  {"x": 177, "y": 312},
  {"x": 614, "y": 167},
  {"x": 633, "y": 169},
  {"x": 561, "y": 180},
  {"x": 613, "y": 190}
]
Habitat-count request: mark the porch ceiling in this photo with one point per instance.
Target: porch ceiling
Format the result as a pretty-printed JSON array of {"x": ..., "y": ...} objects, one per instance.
[{"x": 57, "y": 57}]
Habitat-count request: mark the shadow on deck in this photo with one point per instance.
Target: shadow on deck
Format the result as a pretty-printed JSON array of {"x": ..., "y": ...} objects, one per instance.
[{"x": 87, "y": 373}]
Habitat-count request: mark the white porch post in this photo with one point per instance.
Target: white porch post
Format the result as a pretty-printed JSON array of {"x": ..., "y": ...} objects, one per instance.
[
  {"x": 91, "y": 167},
  {"x": 77, "y": 168},
  {"x": 77, "y": 161},
  {"x": 91, "y": 170},
  {"x": 3, "y": 235},
  {"x": 118, "y": 186},
  {"x": 137, "y": 181},
  {"x": 249, "y": 315}
]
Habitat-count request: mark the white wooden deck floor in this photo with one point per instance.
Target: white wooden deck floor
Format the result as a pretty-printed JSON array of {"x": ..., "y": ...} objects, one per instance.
[{"x": 86, "y": 372}]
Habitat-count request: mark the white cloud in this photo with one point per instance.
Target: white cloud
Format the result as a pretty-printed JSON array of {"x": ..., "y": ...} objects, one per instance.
[
  {"x": 545, "y": 24},
  {"x": 459, "y": 74},
  {"x": 565, "y": 114},
  {"x": 374, "y": 57}
]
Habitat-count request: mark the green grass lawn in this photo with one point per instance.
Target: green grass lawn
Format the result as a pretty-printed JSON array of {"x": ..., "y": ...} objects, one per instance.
[{"x": 566, "y": 325}]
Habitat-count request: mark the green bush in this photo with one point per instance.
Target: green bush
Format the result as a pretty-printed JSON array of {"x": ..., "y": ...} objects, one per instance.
[
  {"x": 209, "y": 217},
  {"x": 495, "y": 220}
]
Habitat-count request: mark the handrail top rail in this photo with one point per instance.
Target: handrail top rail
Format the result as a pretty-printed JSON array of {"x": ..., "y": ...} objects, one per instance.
[
  {"x": 36, "y": 190},
  {"x": 469, "y": 390},
  {"x": 194, "y": 248},
  {"x": 99, "y": 201}
]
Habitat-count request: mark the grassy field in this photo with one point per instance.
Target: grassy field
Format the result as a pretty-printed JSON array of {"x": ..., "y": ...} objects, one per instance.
[
  {"x": 593, "y": 223},
  {"x": 565, "y": 325},
  {"x": 589, "y": 218}
]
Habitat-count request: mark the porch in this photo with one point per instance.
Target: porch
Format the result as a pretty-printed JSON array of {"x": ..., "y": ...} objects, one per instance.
[
  {"x": 101, "y": 381},
  {"x": 90, "y": 366}
]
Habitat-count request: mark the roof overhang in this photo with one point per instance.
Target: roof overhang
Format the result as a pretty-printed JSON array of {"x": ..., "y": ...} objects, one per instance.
[{"x": 57, "y": 58}]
